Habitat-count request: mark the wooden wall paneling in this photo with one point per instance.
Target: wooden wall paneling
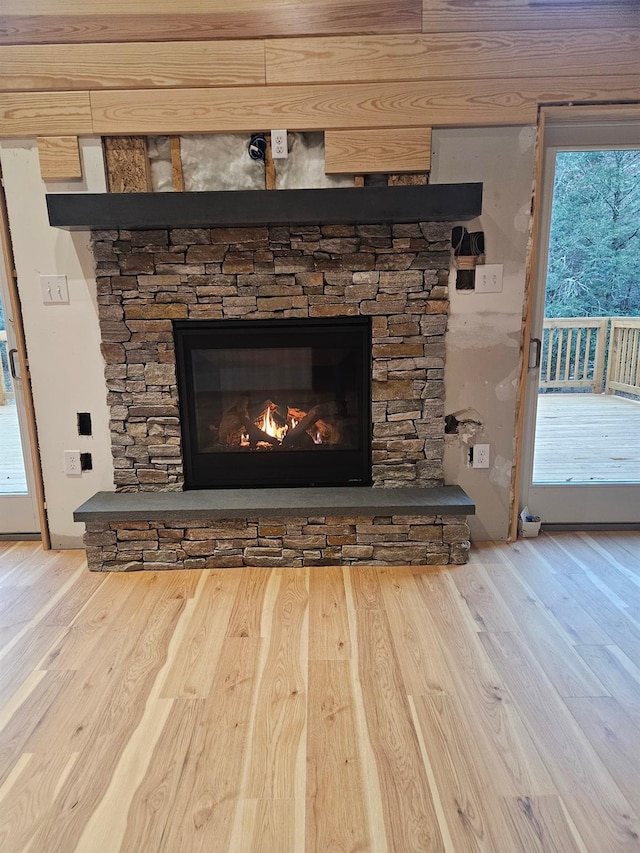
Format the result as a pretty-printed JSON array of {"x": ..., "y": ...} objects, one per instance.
[
  {"x": 121, "y": 21},
  {"x": 452, "y": 56},
  {"x": 59, "y": 158},
  {"x": 397, "y": 149},
  {"x": 130, "y": 66},
  {"x": 473, "y": 16},
  {"x": 351, "y": 106},
  {"x": 45, "y": 114},
  {"x": 128, "y": 169},
  {"x": 300, "y": 108}
]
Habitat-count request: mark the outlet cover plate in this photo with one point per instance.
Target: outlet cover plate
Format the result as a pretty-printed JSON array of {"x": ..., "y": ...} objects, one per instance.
[{"x": 279, "y": 144}]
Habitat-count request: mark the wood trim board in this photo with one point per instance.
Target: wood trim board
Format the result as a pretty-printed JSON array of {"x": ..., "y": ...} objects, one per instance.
[
  {"x": 59, "y": 158},
  {"x": 398, "y": 149}
]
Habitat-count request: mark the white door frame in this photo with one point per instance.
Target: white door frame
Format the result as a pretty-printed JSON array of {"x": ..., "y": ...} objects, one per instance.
[
  {"x": 588, "y": 504},
  {"x": 21, "y": 514}
]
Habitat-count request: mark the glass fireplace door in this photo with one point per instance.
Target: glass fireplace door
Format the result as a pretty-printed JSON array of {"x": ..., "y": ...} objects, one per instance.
[{"x": 275, "y": 403}]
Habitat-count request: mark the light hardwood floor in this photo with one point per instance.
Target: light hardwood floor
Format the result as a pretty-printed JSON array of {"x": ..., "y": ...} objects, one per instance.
[{"x": 487, "y": 707}]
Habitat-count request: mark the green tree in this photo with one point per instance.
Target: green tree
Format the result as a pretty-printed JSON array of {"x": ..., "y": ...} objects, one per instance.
[{"x": 594, "y": 250}]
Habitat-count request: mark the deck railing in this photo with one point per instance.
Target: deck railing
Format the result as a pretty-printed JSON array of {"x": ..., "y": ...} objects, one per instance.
[
  {"x": 577, "y": 353},
  {"x": 623, "y": 368}
]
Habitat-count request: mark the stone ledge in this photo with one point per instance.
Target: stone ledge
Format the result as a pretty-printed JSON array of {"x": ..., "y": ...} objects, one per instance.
[{"x": 276, "y": 503}]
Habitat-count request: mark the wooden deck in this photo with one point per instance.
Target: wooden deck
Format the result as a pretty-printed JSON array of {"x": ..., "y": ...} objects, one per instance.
[
  {"x": 490, "y": 707},
  {"x": 12, "y": 475},
  {"x": 587, "y": 438}
]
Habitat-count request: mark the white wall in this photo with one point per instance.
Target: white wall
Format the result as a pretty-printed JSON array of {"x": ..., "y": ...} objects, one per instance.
[
  {"x": 482, "y": 346},
  {"x": 483, "y": 358},
  {"x": 62, "y": 340}
]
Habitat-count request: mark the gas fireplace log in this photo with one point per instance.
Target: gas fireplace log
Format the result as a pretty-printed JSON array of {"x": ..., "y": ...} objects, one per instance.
[
  {"x": 256, "y": 434},
  {"x": 236, "y": 421},
  {"x": 296, "y": 434}
]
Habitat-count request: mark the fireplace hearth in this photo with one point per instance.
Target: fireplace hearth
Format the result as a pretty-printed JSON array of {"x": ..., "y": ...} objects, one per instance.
[{"x": 275, "y": 402}]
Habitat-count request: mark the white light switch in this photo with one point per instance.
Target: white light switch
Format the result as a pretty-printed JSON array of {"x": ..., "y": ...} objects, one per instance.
[
  {"x": 55, "y": 290},
  {"x": 489, "y": 278}
]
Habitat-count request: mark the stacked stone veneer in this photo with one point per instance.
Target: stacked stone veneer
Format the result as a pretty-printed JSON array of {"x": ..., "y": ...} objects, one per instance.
[
  {"x": 315, "y": 541},
  {"x": 397, "y": 274}
]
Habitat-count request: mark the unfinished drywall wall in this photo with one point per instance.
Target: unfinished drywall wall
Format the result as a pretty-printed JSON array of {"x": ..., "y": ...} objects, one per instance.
[
  {"x": 483, "y": 342},
  {"x": 65, "y": 361}
]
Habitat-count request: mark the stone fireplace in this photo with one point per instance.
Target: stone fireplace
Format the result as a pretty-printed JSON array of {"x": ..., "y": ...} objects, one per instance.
[
  {"x": 394, "y": 274},
  {"x": 390, "y": 277}
]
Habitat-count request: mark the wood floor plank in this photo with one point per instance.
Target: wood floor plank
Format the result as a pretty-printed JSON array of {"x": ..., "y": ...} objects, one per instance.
[
  {"x": 153, "y": 800},
  {"x": 487, "y": 609},
  {"x": 328, "y": 618},
  {"x": 617, "y": 623},
  {"x": 409, "y": 813},
  {"x": 279, "y": 723},
  {"x": 411, "y": 727},
  {"x": 459, "y": 784},
  {"x": 592, "y": 797},
  {"x": 616, "y": 739},
  {"x": 14, "y": 737},
  {"x": 421, "y": 660},
  {"x": 502, "y": 744},
  {"x": 195, "y": 664},
  {"x": 563, "y": 666},
  {"x": 31, "y": 796},
  {"x": 245, "y": 619},
  {"x": 536, "y": 572},
  {"x": 336, "y": 805},
  {"x": 113, "y": 726},
  {"x": 202, "y": 812},
  {"x": 608, "y": 570},
  {"x": 366, "y": 587},
  {"x": 267, "y": 825},
  {"x": 619, "y": 674},
  {"x": 540, "y": 824}
]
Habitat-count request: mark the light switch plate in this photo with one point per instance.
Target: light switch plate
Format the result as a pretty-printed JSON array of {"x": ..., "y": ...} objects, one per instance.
[
  {"x": 55, "y": 290},
  {"x": 489, "y": 278}
]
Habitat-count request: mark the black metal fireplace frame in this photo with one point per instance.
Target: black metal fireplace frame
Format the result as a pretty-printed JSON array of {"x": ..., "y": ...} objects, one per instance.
[{"x": 335, "y": 467}]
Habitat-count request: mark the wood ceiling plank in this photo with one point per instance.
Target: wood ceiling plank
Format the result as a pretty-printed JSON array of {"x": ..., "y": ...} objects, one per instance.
[
  {"x": 59, "y": 158},
  {"x": 350, "y": 106},
  {"x": 392, "y": 150},
  {"x": 451, "y": 56},
  {"x": 131, "y": 66},
  {"x": 471, "y": 16},
  {"x": 117, "y": 21},
  {"x": 45, "y": 114}
]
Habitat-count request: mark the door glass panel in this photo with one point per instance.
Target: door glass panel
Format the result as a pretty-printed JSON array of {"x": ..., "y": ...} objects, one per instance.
[
  {"x": 588, "y": 411},
  {"x": 13, "y": 479}
]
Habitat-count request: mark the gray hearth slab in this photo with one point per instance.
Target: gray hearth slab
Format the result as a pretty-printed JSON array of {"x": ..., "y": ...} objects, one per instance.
[{"x": 272, "y": 503}]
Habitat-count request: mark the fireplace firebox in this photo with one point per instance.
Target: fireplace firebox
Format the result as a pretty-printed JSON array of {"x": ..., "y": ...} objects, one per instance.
[{"x": 275, "y": 402}]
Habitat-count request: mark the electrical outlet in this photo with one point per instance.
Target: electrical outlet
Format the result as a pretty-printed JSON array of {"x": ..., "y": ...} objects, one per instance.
[
  {"x": 55, "y": 290},
  {"x": 480, "y": 456},
  {"x": 72, "y": 466},
  {"x": 489, "y": 278},
  {"x": 279, "y": 144}
]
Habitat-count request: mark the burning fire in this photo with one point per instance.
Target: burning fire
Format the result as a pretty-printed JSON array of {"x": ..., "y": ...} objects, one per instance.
[{"x": 269, "y": 425}]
